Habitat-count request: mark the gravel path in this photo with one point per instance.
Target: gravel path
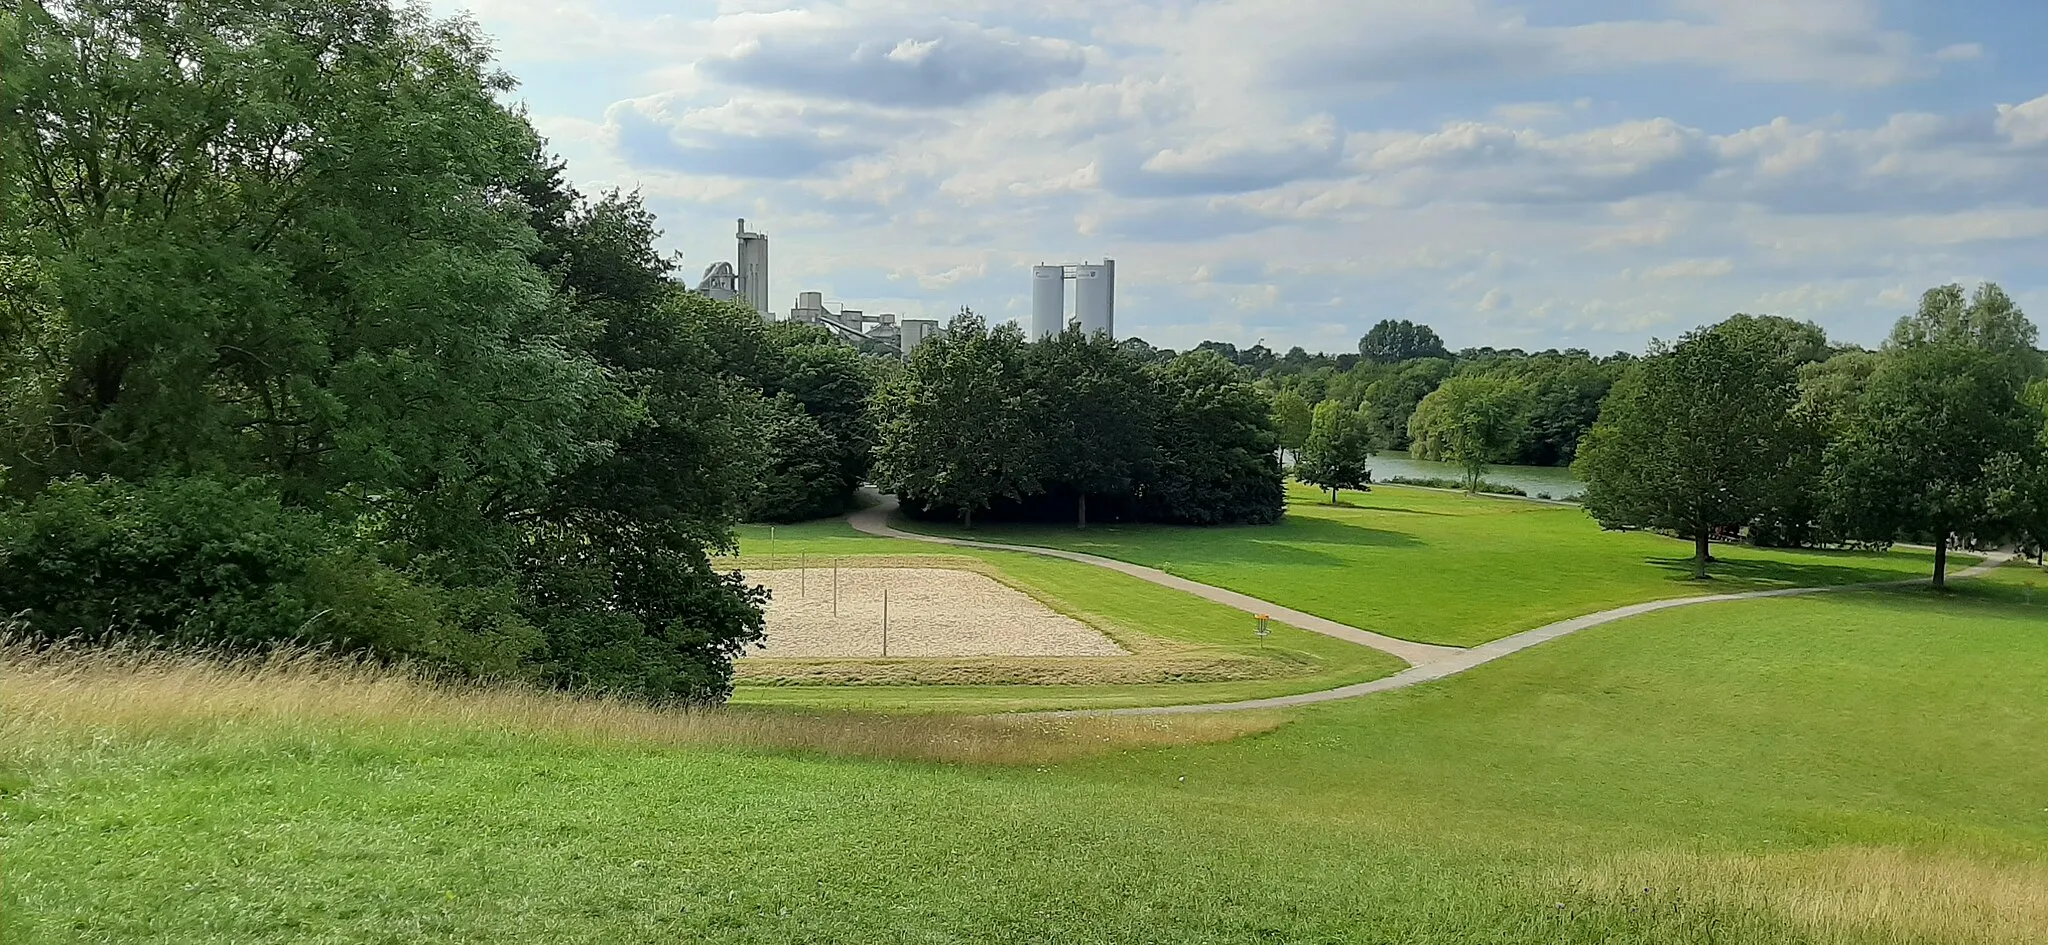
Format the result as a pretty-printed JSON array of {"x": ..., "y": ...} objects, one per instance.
[
  {"x": 933, "y": 613},
  {"x": 1428, "y": 663}
]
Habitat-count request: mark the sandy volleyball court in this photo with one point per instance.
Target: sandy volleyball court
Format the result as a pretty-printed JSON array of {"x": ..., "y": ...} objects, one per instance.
[{"x": 932, "y": 613}]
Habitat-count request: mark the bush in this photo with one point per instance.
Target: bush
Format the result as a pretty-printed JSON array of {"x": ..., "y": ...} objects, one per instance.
[
  {"x": 194, "y": 561},
  {"x": 1435, "y": 482}
]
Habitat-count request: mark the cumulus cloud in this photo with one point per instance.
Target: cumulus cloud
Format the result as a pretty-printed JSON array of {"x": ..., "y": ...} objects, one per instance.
[
  {"x": 1428, "y": 160},
  {"x": 777, "y": 139},
  {"x": 925, "y": 63}
]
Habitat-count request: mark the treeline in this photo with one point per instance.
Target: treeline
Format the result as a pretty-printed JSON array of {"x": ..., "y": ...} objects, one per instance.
[
  {"x": 1756, "y": 428},
  {"x": 304, "y": 337},
  {"x": 983, "y": 424},
  {"x": 1400, "y": 363}
]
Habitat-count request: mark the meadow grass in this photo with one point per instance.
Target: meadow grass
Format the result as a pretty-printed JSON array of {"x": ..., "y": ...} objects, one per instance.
[
  {"x": 1444, "y": 568},
  {"x": 1862, "y": 767}
]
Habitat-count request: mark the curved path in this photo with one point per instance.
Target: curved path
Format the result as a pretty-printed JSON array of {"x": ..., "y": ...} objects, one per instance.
[{"x": 1427, "y": 662}]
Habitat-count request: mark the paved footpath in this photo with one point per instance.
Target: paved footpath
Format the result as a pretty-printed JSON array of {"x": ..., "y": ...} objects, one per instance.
[{"x": 1427, "y": 662}]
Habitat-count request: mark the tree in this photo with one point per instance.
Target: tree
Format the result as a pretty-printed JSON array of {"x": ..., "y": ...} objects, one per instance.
[
  {"x": 1216, "y": 461},
  {"x": 1293, "y": 420},
  {"x": 956, "y": 433},
  {"x": 800, "y": 455},
  {"x": 1692, "y": 439},
  {"x": 1921, "y": 456},
  {"x": 1393, "y": 342},
  {"x": 1471, "y": 421},
  {"x": 1337, "y": 452},
  {"x": 1988, "y": 321},
  {"x": 1091, "y": 413},
  {"x": 1390, "y": 401},
  {"x": 295, "y": 265}
]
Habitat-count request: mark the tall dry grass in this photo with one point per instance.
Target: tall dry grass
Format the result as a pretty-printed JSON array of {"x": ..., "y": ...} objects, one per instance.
[
  {"x": 1856, "y": 894},
  {"x": 67, "y": 691}
]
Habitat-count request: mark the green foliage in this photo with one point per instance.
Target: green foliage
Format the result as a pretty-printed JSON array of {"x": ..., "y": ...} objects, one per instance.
[
  {"x": 1293, "y": 419},
  {"x": 1930, "y": 436},
  {"x": 1696, "y": 439},
  {"x": 1218, "y": 460},
  {"x": 981, "y": 420},
  {"x": 303, "y": 257},
  {"x": 1091, "y": 409},
  {"x": 799, "y": 455},
  {"x": 955, "y": 433},
  {"x": 1471, "y": 421},
  {"x": 1392, "y": 342},
  {"x": 1338, "y": 452},
  {"x": 1391, "y": 401},
  {"x": 195, "y": 561}
]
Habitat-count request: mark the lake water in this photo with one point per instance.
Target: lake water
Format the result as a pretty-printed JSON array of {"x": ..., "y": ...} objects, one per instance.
[{"x": 1557, "y": 481}]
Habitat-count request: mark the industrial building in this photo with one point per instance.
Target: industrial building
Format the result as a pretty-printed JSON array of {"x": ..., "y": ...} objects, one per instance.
[
  {"x": 747, "y": 280},
  {"x": 855, "y": 326},
  {"x": 1094, "y": 299}
]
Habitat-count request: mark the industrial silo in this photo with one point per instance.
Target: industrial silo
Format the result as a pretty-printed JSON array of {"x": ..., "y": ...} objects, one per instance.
[
  {"x": 1048, "y": 301},
  {"x": 1095, "y": 298},
  {"x": 753, "y": 270}
]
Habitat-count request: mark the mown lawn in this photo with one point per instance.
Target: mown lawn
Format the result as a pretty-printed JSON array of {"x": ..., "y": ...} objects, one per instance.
[
  {"x": 1852, "y": 768},
  {"x": 1118, "y": 603},
  {"x": 1447, "y": 568}
]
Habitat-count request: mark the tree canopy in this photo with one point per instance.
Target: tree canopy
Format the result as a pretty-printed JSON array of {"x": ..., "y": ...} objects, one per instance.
[
  {"x": 1338, "y": 452},
  {"x": 1470, "y": 421},
  {"x": 1694, "y": 438}
]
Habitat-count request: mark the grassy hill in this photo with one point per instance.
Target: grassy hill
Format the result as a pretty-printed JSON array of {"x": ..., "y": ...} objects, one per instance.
[{"x": 1850, "y": 768}]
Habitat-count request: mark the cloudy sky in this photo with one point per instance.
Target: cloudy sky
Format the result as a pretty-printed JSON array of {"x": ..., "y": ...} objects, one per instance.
[{"x": 1568, "y": 173}]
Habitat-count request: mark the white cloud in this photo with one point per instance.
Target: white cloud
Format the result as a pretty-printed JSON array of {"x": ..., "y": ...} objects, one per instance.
[{"x": 1248, "y": 161}]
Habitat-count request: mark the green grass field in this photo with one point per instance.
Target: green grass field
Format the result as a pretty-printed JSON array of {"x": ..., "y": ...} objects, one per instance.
[
  {"x": 1446, "y": 568},
  {"x": 1860, "y": 767}
]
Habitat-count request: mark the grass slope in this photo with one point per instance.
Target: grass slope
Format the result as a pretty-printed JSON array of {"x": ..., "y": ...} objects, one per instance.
[
  {"x": 1853, "y": 768},
  {"x": 1143, "y": 616},
  {"x": 1445, "y": 568}
]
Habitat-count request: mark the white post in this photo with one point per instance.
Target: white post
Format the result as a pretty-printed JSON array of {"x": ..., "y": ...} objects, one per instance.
[
  {"x": 835, "y": 587},
  {"x": 771, "y": 547},
  {"x": 803, "y": 574},
  {"x": 885, "y": 623}
]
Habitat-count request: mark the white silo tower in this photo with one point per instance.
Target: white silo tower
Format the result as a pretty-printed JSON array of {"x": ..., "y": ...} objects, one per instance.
[
  {"x": 1048, "y": 301},
  {"x": 753, "y": 270},
  {"x": 1095, "y": 298}
]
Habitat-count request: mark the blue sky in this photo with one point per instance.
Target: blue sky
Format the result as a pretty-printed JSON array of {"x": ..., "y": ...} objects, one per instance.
[{"x": 1580, "y": 173}]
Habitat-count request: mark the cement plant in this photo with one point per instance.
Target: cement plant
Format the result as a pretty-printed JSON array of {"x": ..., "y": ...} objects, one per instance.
[{"x": 1094, "y": 308}]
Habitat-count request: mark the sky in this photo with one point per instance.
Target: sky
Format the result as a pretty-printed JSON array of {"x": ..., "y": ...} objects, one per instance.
[{"x": 1571, "y": 173}]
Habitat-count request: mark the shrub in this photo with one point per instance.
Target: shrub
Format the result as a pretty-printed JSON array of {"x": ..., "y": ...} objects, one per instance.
[{"x": 199, "y": 562}]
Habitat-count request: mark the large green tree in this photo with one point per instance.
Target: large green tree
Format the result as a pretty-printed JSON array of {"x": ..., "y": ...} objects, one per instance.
[
  {"x": 1941, "y": 444},
  {"x": 955, "y": 429},
  {"x": 278, "y": 253},
  {"x": 1392, "y": 342},
  {"x": 1693, "y": 439},
  {"x": 1091, "y": 413},
  {"x": 1471, "y": 421},
  {"x": 1217, "y": 461},
  {"x": 1338, "y": 454}
]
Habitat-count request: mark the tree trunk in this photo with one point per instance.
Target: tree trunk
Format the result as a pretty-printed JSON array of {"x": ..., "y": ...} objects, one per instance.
[
  {"x": 1333, "y": 495},
  {"x": 1702, "y": 553},
  {"x": 1941, "y": 562},
  {"x": 1081, "y": 511},
  {"x": 967, "y": 518}
]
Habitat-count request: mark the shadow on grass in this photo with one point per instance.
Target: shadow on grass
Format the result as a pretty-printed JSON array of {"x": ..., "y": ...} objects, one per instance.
[
  {"x": 1278, "y": 545},
  {"x": 1736, "y": 574}
]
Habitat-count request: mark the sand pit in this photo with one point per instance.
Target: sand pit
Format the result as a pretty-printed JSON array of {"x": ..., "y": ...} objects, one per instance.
[{"x": 932, "y": 613}]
